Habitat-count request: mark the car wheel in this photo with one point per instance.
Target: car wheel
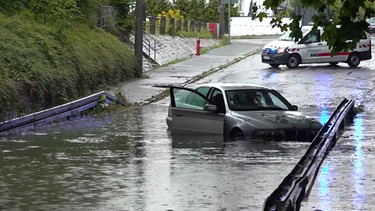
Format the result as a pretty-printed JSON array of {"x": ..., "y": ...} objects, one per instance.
[
  {"x": 354, "y": 60},
  {"x": 236, "y": 134},
  {"x": 274, "y": 65},
  {"x": 293, "y": 61},
  {"x": 333, "y": 63}
]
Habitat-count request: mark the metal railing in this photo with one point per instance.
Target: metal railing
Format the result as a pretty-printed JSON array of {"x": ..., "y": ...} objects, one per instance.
[
  {"x": 65, "y": 111},
  {"x": 297, "y": 185},
  {"x": 149, "y": 44}
]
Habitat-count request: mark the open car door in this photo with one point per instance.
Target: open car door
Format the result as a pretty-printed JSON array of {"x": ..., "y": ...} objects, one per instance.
[{"x": 191, "y": 112}]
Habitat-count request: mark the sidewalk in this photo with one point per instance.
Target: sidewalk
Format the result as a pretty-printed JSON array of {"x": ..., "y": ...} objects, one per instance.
[{"x": 155, "y": 81}]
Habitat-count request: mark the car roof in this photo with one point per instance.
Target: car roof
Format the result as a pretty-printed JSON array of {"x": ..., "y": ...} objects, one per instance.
[{"x": 232, "y": 86}]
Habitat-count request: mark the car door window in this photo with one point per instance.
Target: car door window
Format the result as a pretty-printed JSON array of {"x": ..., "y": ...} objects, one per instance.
[
  {"x": 203, "y": 90},
  {"x": 217, "y": 98},
  {"x": 185, "y": 98},
  {"x": 276, "y": 101}
]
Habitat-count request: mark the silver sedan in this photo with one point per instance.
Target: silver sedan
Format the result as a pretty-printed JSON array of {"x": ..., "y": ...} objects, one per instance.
[{"x": 238, "y": 111}]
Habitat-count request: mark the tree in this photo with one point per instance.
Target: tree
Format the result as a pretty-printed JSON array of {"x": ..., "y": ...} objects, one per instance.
[
  {"x": 55, "y": 11},
  {"x": 211, "y": 11},
  {"x": 183, "y": 6},
  {"x": 349, "y": 15},
  {"x": 155, "y": 7},
  {"x": 12, "y": 6},
  {"x": 126, "y": 18},
  {"x": 197, "y": 10}
]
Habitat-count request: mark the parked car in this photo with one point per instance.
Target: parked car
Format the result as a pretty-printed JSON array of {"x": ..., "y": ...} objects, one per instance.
[
  {"x": 311, "y": 49},
  {"x": 371, "y": 26},
  {"x": 238, "y": 111}
]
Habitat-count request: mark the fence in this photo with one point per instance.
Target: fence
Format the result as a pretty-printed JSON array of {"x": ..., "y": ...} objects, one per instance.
[
  {"x": 158, "y": 25},
  {"x": 172, "y": 26}
]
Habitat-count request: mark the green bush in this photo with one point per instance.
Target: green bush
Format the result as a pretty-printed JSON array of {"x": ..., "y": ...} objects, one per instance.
[
  {"x": 204, "y": 34},
  {"x": 43, "y": 66}
]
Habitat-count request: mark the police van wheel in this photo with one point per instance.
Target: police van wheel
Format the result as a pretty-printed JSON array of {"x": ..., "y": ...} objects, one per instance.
[
  {"x": 333, "y": 63},
  {"x": 293, "y": 61},
  {"x": 354, "y": 60},
  {"x": 274, "y": 65}
]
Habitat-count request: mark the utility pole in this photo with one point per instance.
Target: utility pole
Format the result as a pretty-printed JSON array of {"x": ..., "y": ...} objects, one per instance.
[
  {"x": 229, "y": 6},
  {"x": 221, "y": 19},
  {"x": 138, "y": 46}
]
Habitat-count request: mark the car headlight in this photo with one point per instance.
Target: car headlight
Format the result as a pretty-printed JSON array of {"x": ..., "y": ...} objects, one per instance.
[{"x": 281, "y": 50}]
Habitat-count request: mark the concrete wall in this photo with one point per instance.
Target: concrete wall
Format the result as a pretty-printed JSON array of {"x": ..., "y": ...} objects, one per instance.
[{"x": 242, "y": 26}]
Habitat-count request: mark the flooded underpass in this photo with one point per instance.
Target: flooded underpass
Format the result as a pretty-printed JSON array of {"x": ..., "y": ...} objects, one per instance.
[{"x": 127, "y": 160}]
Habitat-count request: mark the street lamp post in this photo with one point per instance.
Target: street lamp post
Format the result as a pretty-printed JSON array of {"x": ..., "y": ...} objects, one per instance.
[{"x": 229, "y": 21}]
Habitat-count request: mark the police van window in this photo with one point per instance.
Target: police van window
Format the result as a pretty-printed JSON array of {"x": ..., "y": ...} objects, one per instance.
[{"x": 312, "y": 37}]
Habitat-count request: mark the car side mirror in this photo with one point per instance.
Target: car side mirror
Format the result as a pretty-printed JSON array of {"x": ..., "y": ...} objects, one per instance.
[
  {"x": 295, "y": 107},
  {"x": 210, "y": 107}
]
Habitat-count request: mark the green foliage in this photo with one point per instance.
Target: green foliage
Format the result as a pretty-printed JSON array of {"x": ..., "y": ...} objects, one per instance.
[
  {"x": 46, "y": 68},
  {"x": 359, "y": 109},
  {"x": 171, "y": 14},
  {"x": 154, "y": 7},
  {"x": 126, "y": 18},
  {"x": 197, "y": 10},
  {"x": 54, "y": 11},
  {"x": 182, "y": 5},
  {"x": 66, "y": 13},
  {"x": 350, "y": 15},
  {"x": 204, "y": 34},
  {"x": 211, "y": 13},
  {"x": 89, "y": 9},
  {"x": 10, "y": 7}
]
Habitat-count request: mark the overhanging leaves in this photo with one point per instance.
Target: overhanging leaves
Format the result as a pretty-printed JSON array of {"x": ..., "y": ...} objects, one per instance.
[{"x": 349, "y": 15}]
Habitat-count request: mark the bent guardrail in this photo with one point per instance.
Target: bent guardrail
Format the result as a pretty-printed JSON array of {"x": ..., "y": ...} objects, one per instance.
[
  {"x": 57, "y": 113},
  {"x": 297, "y": 185}
]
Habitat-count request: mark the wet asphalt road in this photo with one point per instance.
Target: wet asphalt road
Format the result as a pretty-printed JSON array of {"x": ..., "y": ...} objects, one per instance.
[
  {"x": 346, "y": 179},
  {"x": 127, "y": 160}
]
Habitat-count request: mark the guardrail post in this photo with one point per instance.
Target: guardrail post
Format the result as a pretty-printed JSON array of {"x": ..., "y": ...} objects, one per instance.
[
  {"x": 179, "y": 25},
  {"x": 152, "y": 24},
  {"x": 162, "y": 25},
  {"x": 171, "y": 26},
  {"x": 192, "y": 23},
  {"x": 186, "y": 25}
]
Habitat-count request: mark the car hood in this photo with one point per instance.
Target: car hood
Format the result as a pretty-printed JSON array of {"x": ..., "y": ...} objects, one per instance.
[
  {"x": 279, "y": 44},
  {"x": 278, "y": 119}
]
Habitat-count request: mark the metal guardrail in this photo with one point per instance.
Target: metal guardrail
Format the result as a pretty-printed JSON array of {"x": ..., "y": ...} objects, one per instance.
[
  {"x": 149, "y": 43},
  {"x": 57, "y": 113},
  {"x": 297, "y": 185}
]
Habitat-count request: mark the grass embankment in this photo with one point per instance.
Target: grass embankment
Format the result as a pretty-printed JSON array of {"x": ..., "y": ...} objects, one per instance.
[{"x": 42, "y": 66}]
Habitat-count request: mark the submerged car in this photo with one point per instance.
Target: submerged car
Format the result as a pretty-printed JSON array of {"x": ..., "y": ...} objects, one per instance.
[{"x": 238, "y": 111}]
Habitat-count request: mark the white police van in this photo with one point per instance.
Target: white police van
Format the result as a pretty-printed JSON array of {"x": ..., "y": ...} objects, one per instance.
[{"x": 311, "y": 49}]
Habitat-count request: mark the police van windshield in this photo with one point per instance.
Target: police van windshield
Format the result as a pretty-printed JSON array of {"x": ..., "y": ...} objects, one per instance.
[{"x": 287, "y": 37}]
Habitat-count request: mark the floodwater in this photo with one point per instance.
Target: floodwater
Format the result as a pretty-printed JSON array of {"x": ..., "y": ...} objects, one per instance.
[{"x": 127, "y": 160}]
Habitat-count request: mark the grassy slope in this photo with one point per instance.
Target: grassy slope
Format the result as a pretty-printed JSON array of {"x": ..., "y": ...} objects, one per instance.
[{"x": 40, "y": 66}]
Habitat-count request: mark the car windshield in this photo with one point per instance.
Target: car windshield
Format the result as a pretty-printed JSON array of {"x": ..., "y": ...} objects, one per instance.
[
  {"x": 287, "y": 36},
  {"x": 250, "y": 99},
  {"x": 371, "y": 20}
]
